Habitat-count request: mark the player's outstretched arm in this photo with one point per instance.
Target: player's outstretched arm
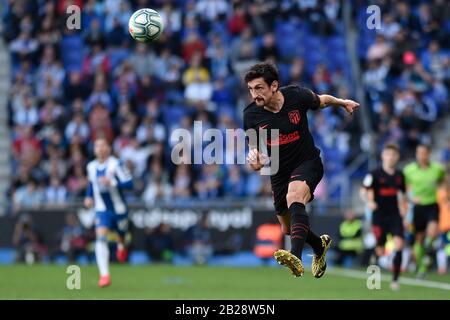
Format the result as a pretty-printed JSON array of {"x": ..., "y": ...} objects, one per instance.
[
  {"x": 327, "y": 100},
  {"x": 89, "y": 200}
]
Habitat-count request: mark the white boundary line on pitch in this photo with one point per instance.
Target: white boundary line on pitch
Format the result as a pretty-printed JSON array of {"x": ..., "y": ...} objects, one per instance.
[{"x": 386, "y": 278}]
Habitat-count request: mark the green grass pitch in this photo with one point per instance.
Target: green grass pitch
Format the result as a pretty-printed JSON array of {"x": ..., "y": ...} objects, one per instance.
[{"x": 179, "y": 282}]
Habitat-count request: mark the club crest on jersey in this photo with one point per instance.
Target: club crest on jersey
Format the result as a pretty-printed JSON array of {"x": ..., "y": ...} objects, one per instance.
[{"x": 294, "y": 116}]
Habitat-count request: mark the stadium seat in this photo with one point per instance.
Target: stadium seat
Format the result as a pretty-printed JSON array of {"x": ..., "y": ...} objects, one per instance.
[
  {"x": 7, "y": 256},
  {"x": 239, "y": 259},
  {"x": 138, "y": 257}
]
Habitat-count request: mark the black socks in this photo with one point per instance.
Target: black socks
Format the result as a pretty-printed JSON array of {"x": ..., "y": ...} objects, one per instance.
[
  {"x": 300, "y": 232},
  {"x": 397, "y": 264}
]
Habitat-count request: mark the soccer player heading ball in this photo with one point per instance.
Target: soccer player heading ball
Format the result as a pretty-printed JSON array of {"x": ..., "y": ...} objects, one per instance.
[
  {"x": 108, "y": 177},
  {"x": 300, "y": 165}
]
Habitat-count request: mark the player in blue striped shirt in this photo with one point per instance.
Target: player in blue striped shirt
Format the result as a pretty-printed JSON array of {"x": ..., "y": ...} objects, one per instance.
[{"x": 108, "y": 177}]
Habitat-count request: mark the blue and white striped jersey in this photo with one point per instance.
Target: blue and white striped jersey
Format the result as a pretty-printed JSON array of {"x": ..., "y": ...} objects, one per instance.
[{"x": 108, "y": 198}]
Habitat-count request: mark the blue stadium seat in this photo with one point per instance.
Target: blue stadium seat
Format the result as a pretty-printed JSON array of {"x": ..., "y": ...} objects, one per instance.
[
  {"x": 173, "y": 114},
  {"x": 139, "y": 257},
  {"x": 7, "y": 256},
  {"x": 61, "y": 259},
  {"x": 82, "y": 259},
  {"x": 237, "y": 259},
  {"x": 72, "y": 48}
]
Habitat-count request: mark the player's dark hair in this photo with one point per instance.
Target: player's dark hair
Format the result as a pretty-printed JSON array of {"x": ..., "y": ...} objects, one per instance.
[
  {"x": 266, "y": 70},
  {"x": 392, "y": 146}
]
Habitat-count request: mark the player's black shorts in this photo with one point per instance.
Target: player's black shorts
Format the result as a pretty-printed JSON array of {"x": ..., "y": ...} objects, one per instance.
[
  {"x": 310, "y": 171},
  {"x": 384, "y": 224},
  {"x": 422, "y": 215}
]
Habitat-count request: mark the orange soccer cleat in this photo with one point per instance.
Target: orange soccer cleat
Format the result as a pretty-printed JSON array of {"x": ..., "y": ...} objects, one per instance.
[{"x": 104, "y": 281}]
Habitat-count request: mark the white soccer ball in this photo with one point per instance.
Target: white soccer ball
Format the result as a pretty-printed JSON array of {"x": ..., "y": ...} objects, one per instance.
[{"x": 145, "y": 25}]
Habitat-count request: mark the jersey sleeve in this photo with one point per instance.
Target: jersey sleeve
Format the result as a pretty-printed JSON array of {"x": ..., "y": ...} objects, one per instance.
[
  {"x": 368, "y": 181},
  {"x": 251, "y": 136},
  {"x": 123, "y": 176},
  {"x": 308, "y": 98},
  {"x": 89, "y": 190},
  {"x": 247, "y": 121}
]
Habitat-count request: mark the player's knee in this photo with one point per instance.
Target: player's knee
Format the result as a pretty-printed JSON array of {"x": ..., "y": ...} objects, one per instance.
[{"x": 298, "y": 195}]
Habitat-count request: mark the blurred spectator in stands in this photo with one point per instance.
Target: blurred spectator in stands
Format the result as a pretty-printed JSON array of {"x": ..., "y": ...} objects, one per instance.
[
  {"x": 94, "y": 34},
  {"x": 157, "y": 190},
  {"x": 196, "y": 79},
  {"x": 198, "y": 243},
  {"x": 379, "y": 49},
  {"x": 209, "y": 183},
  {"x": 171, "y": 18},
  {"x": 193, "y": 45},
  {"x": 237, "y": 22},
  {"x": 374, "y": 78},
  {"x": 268, "y": 50},
  {"x": 150, "y": 130},
  {"x": 74, "y": 239},
  {"x": 100, "y": 123},
  {"x": 25, "y": 110},
  {"x": 297, "y": 74},
  {"x": 95, "y": 60},
  {"x": 321, "y": 79},
  {"x": 136, "y": 154},
  {"x": 234, "y": 183},
  {"x": 76, "y": 88},
  {"x": 256, "y": 12},
  {"x": 159, "y": 243},
  {"x": 143, "y": 60},
  {"x": 51, "y": 113},
  {"x": 124, "y": 138},
  {"x": 28, "y": 196},
  {"x": 389, "y": 27},
  {"x": 219, "y": 58},
  {"x": 24, "y": 46},
  {"x": 48, "y": 33},
  {"x": 415, "y": 75},
  {"x": 27, "y": 241},
  {"x": 26, "y": 147},
  {"x": 79, "y": 127},
  {"x": 77, "y": 181},
  {"x": 243, "y": 51},
  {"x": 168, "y": 68},
  {"x": 55, "y": 193},
  {"x": 183, "y": 183},
  {"x": 406, "y": 19},
  {"x": 100, "y": 94}
]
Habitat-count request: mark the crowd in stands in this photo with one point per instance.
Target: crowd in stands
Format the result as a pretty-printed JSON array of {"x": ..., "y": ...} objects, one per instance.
[
  {"x": 406, "y": 69},
  {"x": 70, "y": 86}
]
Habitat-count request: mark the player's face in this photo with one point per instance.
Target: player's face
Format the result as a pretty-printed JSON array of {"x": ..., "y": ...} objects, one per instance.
[
  {"x": 102, "y": 149},
  {"x": 390, "y": 157},
  {"x": 261, "y": 92},
  {"x": 422, "y": 154}
]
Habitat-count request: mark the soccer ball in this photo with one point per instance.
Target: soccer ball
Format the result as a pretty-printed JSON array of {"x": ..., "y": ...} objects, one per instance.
[{"x": 145, "y": 25}]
